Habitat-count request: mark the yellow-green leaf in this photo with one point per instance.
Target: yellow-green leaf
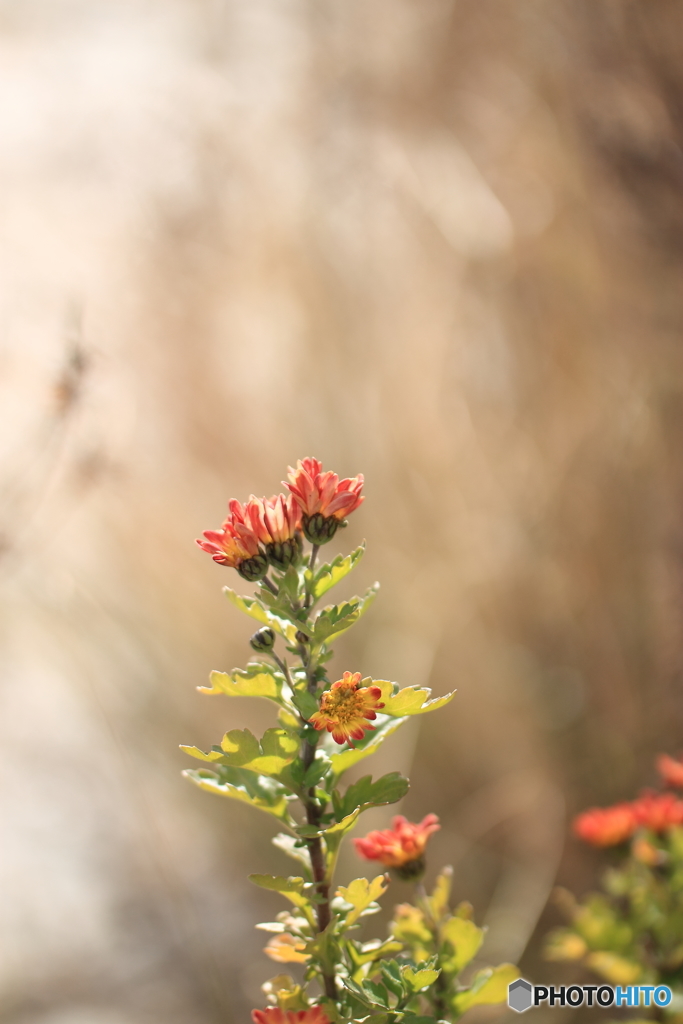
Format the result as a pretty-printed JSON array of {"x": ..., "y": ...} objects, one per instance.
[
  {"x": 363, "y": 748},
  {"x": 244, "y": 684},
  {"x": 328, "y": 575},
  {"x": 438, "y": 901},
  {"x": 465, "y": 940},
  {"x": 257, "y": 611},
  {"x": 272, "y": 801},
  {"x": 411, "y": 700},
  {"x": 277, "y": 749},
  {"x": 334, "y": 620},
  {"x": 418, "y": 980},
  {"x": 360, "y": 894},
  {"x": 201, "y": 755},
  {"x": 488, "y": 986},
  {"x": 616, "y": 969}
]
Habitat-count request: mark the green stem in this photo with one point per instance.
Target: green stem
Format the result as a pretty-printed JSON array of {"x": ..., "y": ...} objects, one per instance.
[{"x": 271, "y": 586}]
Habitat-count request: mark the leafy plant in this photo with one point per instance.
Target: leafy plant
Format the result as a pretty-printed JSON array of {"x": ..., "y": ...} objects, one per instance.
[
  {"x": 632, "y": 931},
  {"x": 295, "y": 773}
]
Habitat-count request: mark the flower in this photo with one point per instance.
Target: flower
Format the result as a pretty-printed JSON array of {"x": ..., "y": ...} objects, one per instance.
[
  {"x": 400, "y": 847},
  {"x": 658, "y": 811},
  {"x": 323, "y": 498},
  {"x": 287, "y": 949},
  {"x": 346, "y": 707},
  {"x": 670, "y": 770},
  {"x": 313, "y": 1015},
  {"x": 606, "y": 826},
  {"x": 237, "y": 543},
  {"x": 280, "y": 518}
]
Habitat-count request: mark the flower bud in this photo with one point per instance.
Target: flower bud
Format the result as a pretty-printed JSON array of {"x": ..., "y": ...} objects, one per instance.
[
  {"x": 263, "y": 640},
  {"x": 319, "y": 529},
  {"x": 253, "y": 569},
  {"x": 282, "y": 554}
]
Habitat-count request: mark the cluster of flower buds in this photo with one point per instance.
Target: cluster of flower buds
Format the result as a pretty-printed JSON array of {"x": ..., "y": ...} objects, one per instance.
[
  {"x": 270, "y": 531},
  {"x": 657, "y": 812}
]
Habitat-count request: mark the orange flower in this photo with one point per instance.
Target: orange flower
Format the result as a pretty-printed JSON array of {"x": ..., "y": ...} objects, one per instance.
[
  {"x": 400, "y": 847},
  {"x": 670, "y": 770},
  {"x": 346, "y": 707},
  {"x": 227, "y": 547},
  {"x": 606, "y": 826},
  {"x": 658, "y": 811},
  {"x": 287, "y": 949},
  {"x": 313, "y": 1015},
  {"x": 280, "y": 521},
  {"x": 324, "y": 499}
]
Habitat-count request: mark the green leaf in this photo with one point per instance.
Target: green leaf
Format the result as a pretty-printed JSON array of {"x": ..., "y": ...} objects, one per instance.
[
  {"x": 360, "y": 894},
  {"x": 370, "y": 744},
  {"x": 366, "y": 793},
  {"x": 378, "y": 992},
  {"x": 261, "y": 792},
  {"x": 391, "y": 977},
  {"x": 291, "y": 888},
  {"x": 316, "y": 771},
  {"x": 333, "y": 833},
  {"x": 370, "y": 952},
  {"x": 277, "y": 749},
  {"x": 238, "y": 683},
  {"x": 488, "y": 986},
  {"x": 336, "y": 619},
  {"x": 411, "y": 700},
  {"x": 420, "y": 979},
  {"x": 328, "y": 575},
  {"x": 306, "y": 703},
  {"x": 465, "y": 940},
  {"x": 252, "y": 606}
]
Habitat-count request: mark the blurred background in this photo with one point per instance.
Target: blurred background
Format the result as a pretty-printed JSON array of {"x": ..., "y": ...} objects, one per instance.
[{"x": 439, "y": 242}]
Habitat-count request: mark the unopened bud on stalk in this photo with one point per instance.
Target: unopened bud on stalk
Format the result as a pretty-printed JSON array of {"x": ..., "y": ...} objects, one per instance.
[
  {"x": 263, "y": 640},
  {"x": 253, "y": 569}
]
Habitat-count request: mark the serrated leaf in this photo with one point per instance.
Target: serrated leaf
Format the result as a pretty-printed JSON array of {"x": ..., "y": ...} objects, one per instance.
[
  {"x": 366, "y": 793},
  {"x": 391, "y": 977},
  {"x": 282, "y": 624},
  {"x": 333, "y": 833},
  {"x": 328, "y": 575},
  {"x": 277, "y": 749},
  {"x": 488, "y": 986},
  {"x": 411, "y": 700},
  {"x": 201, "y": 755},
  {"x": 377, "y": 992},
  {"x": 240, "y": 683},
  {"x": 360, "y": 894},
  {"x": 334, "y": 620},
  {"x": 372, "y": 951},
  {"x": 370, "y": 744},
  {"x": 261, "y": 792},
  {"x": 464, "y": 939},
  {"x": 417, "y": 980}
]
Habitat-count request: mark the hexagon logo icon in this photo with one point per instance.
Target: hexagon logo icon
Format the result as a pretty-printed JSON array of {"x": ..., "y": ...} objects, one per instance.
[{"x": 519, "y": 995}]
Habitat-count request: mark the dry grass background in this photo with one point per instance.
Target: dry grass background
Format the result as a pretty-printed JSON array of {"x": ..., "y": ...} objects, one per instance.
[{"x": 436, "y": 241}]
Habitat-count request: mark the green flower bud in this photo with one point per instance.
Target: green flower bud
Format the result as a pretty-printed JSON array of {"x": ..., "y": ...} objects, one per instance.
[
  {"x": 282, "y": 554},
  {"x": 319, "y": 529},
  {"x": 263, "y": 640},
  {"x": 411, "y": 870},
  {"x": 253, "y": 569}
]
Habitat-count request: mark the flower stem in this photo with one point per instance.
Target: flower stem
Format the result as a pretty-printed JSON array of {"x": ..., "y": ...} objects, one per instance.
[
  {"x": 315, "y": 846},
  {"x": 271, "y": 586}
]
